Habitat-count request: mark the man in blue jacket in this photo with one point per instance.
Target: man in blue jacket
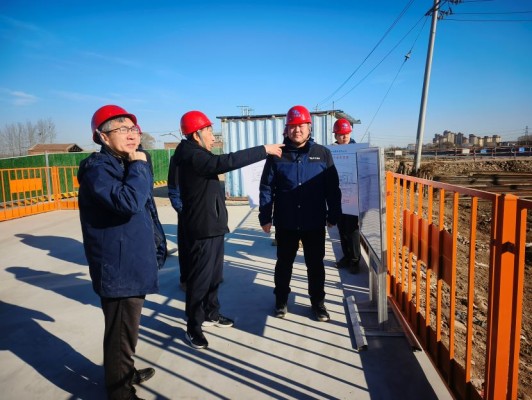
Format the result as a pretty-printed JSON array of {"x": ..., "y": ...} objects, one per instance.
[
  {"x": 174, "y": 195},
  {"x": 300, "y": 194},
  {"x": 123, "y": 240},
  {"x": 205, "y": 218}
]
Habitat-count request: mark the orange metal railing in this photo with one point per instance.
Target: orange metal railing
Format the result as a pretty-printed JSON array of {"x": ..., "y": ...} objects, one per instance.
[
  {"x": 456, "y": 275},
  {"x": 28, "y": 191}
]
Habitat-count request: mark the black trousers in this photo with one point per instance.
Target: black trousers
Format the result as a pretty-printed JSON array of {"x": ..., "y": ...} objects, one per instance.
[
  {"x": 349, "y": 237},
  {"x": 205, "y": 273},
  {"x": 122, "y": 321},
  {"x": 183, "y": 250},
  {"x": 314, "y": 252}
]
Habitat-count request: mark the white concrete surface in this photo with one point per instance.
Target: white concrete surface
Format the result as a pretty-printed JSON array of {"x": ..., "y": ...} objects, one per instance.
[{"x": 51, "y": 326}]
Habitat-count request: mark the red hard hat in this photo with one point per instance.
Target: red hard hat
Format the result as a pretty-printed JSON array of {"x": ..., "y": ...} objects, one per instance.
[
  {"x": 193, "y": 121},
  {"x": 298, "y": 115},
  {"x": 342, "y": 127},
  {"x": 105, "y": 113}
]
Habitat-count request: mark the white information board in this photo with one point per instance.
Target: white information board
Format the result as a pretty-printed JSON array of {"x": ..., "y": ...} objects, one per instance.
[
  {"x": 370, "y": 198},
  {"x": 345, "y": 160},
  {"x": 251, "y": 175},
  {"x": 372, "y": 219}
]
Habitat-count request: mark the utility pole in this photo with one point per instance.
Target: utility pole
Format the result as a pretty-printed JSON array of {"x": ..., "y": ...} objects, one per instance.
[{"x": 428, "y": 66}]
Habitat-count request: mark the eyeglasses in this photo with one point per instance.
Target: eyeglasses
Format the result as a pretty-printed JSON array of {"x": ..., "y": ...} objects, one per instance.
[{"x": 124, "y": 130}]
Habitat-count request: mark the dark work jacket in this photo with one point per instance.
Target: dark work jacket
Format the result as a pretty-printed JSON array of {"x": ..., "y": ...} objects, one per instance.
[
  {"x": 301, "y": 189},
  {"x": 204, "y": 211},
  {"x": 120, "y": 225},
  {"x": 351, "y": 141}
]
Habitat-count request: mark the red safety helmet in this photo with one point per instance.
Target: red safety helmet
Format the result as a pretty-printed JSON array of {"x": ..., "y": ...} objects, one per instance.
[
  {"x": 342, "y": 127},
  {"x": 298, "y": 115},
  {"x": 106, "y": 113},
  {"x": 194, "y": 121}
]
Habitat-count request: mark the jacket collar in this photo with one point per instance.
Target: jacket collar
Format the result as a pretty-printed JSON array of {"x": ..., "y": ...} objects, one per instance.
[{"x": 289, "y": 146}]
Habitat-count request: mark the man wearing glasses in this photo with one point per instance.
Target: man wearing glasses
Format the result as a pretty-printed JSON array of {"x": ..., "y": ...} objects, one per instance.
[{"x": 123, "y": 240}]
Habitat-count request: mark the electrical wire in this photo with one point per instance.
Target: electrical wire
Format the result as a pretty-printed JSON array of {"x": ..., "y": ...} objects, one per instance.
[
  {"x": 370, "y": 53},
  {"x": 488, "y": 20},
  {"x": 491, "y": 13},
  {"x": 386, "y": 56},
  {"x": 384, "y": 98}
]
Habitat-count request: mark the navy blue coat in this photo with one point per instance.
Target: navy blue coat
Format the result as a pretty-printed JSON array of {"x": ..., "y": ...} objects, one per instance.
[
  {"x": 300, "y": 190},
  {"x": 174, "y": 193},
  {"x": 204, "y": 211},
  {"x": 351, "y": 141},
  {"x": 119, "y": 222}
]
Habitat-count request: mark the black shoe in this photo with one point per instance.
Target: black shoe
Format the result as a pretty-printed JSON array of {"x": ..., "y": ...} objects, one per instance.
[
  {"x": 321, "y": 312},
  {"x": 281, "y": 310},
  {"x": 354, "y": 267},
  {"x": 342, "y": 263},
  {"x": 142, "y": 375},
  {"x": 133, "y": 395},
  {"x": 197, "y": 341},
  {"x": 221, "y": 322}
]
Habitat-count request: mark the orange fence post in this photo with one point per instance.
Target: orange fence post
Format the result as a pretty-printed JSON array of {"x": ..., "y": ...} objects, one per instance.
[
  {"x": 56, "y": 189},
  {"x": 502, "y": 279},
  {"x": 389, "y": 230}
]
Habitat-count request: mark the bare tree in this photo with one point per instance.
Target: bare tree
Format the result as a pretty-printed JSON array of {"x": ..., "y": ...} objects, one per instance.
[
  {"x": 147, "y": 141},
  {"x": 16, "y": 139},
  {"x": 46, "y": 131}
]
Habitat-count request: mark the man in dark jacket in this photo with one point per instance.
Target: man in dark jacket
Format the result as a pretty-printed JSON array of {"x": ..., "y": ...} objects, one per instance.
[
  {"x": 300, "y": 194},
  {"x": 205, "y": 218},
  {"x": 123, "y": 239},
  {"x": 347, "y": 224}
]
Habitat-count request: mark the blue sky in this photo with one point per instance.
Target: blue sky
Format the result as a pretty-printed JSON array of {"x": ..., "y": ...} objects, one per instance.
[{"x": 158, "y": 59}]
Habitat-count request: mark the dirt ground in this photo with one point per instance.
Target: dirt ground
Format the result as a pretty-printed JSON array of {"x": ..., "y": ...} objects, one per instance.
[{"x": 464, "y": 168}]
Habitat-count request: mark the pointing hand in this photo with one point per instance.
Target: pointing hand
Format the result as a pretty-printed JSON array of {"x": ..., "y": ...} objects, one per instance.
[{"x": 274, "y": 149}]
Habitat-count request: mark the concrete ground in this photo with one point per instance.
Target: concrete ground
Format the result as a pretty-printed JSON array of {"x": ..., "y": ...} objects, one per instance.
[{"x": 52, "y": 326}]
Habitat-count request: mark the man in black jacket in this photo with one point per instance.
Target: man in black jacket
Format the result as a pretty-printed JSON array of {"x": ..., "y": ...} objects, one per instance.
[
  {"x": 205, "y": 218},
  {"x": 299, "y": 194},
  {"x": 347, "y": 224}
]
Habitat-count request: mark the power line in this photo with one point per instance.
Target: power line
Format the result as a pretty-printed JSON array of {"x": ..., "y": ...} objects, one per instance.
[
  {"x": 488, "y": 20},
  {"x": 370, "y": 53},
  {"x": 384, "y": 98},
  {"x": 386, "y": 56},
  {"x": 492, "y": 13}
]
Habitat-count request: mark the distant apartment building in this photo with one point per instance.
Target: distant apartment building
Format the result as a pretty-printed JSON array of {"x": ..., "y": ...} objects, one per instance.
[{"x": 462, "y": 140}]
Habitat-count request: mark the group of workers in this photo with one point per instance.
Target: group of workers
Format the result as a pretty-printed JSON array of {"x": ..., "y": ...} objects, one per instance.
[{"x": 125, "y": 244}]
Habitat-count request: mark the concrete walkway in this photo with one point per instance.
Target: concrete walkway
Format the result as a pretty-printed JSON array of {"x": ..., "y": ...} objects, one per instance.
[{"x": 51, "y": 326}]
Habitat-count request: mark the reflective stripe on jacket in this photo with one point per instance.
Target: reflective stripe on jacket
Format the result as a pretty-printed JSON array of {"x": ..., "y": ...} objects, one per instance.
[{"x": 301, "y": 190}]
